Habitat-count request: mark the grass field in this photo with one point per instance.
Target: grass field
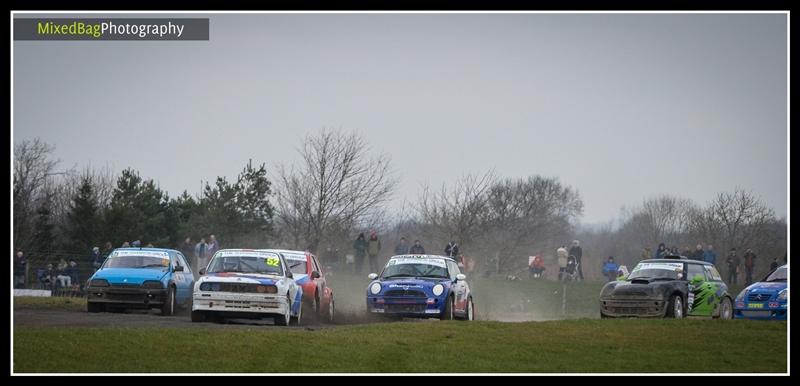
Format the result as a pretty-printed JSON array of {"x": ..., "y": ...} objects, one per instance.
[
  {"x": 554, "y": 346},
  {"x": 579, "y": 342}
]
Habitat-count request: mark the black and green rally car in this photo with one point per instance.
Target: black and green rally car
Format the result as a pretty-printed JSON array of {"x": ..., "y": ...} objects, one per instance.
[{"x": 671, "y": 287}]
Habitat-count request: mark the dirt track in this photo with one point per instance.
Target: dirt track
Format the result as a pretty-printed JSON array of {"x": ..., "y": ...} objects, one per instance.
[{"x": 44, "y": 317}]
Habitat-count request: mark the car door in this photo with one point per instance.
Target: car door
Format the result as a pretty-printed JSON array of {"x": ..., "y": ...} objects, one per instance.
[
  {"x": 320, "y": 281},
  {"x": 702, "y": 292},
  {"x": 184, "y": 280},
  {"x": 459, "y": 287},
  {"x": 293, "y": 287}
]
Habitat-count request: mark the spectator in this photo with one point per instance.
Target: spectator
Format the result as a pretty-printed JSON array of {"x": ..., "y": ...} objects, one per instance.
[
  {"x": 20, "y": 265},
  {"x": 417, "y": 248},
  {"x": 699, "y": 253},
  {"x": 107, "y": 249},
  {"x": 126, "y": 244},
  {"x": 610, "y": 268},
  {"x": 774, "y": 265},
  {"x": 562, "y": 261},
  {"x": 402, "y": 247},
  {"x": 674, "y": 251},
  {"x": 137, "y": 243},
  {"x": 576, "y": 251},
  {"x": 373, "y": 248},
  {"x": 64, "y": 280},
  {"x": 187, "y": 249},
  {"x": 150, "y": 245},
  {"x": 96, "y": 259},
  {"x": 451, "y": 249},
  {"x": 47, "y": 277},
  {"x": 687, "y": 251},
  {"x": 710, "y": 256},
  {"x": 213, "y": 246},
  {"x": 72, "y": 272},
  {"x": 646, "y": 254},
  {"x": 733, "y": 263},
  {"x": 200, "y": 253},
  {"x": 661, "y": 252},
  {"x": 537, "y": 267},
  {"x": 749, "y": 264},
  {"x": 360, "y": 247}
]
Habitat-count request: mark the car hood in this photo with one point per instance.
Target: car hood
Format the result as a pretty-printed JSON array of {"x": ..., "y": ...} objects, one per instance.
[
  {"x": 236, "y": 277},
  {"x": 129, "y": 275},
  {"x": 767, "y": 287},
  {"x": 635, "y": 289}
]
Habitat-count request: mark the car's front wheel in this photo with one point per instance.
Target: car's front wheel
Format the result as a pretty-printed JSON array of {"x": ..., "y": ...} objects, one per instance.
[
  {"x": 283, "y": 320},
  {"x": 725, "y": 309},
  {"x": 331, "y": 311},
  {"x": 168, "y": 309},
  {"x": 470, "y": 311},
  {"x": 299, "y": 318},
  {"x": 675, "y": 307},
  {"x": 448, "y": 309},
  {"x": 198, "y": 316},
  {"x": 95, "y": 307}
]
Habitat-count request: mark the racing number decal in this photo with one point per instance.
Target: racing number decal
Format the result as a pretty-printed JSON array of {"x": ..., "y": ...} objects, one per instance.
[{"x": 272, "y": 261}]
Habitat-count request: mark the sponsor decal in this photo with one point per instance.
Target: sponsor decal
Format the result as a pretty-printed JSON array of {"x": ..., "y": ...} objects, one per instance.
[
  {"x": 410, "y": 260},
  {"x": 667, "y": 266},
  {"x": 157, "y": 254}
]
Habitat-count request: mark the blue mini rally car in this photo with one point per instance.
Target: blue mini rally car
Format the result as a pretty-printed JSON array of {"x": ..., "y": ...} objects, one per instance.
[
  {"x": 767, "y": 299},
  {"x": 141, "y": 278},
  {"x": 421, "y": 286}
]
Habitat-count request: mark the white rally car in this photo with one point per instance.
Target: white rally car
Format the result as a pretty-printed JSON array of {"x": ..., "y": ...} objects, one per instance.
[{"x": 247, "y": 283}]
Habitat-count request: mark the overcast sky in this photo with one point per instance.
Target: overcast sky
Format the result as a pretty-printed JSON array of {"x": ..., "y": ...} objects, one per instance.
[{"x": 621, "y": 107}]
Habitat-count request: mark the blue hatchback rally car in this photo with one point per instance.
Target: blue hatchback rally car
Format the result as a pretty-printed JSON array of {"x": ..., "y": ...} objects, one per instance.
[
  {"x": 141, "y": 278},
  {"x": 767, "y": 299},
  {"x": 420, "y": 286}
]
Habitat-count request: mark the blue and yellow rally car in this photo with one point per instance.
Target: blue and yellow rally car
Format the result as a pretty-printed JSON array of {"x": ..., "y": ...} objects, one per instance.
[
  {"x": 767, "y": 299},
  {"x": 420, "y": 286},
  {"x": 141, "y": 278}
]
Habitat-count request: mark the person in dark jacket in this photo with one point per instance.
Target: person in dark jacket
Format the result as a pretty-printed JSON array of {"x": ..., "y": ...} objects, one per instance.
[
  {"x": 96, "y": 259},
  {"x": 661, "y": 252},
  {"x": 417, "y": 248},
  {"x": 20, "y": 265},
  {"x": 451, "y": 249},
  {"x": 187, "y": 249},
  {"x": 710, "y": 256},
  {"x": 749, "y": 265},
  {"x": 402, "y": 247},
  {"x": 733, "y": 263},
  {"x": 360, "y": 247},
  {"x": 774, "y": 264},
  {"x": 576, "y": 251},
  {"x": 699, "y": 253}
]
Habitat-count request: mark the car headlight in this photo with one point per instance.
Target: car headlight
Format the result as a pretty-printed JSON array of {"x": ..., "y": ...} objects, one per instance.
[
  {"x": 206, "y": 287},
  {"x": 99, "y": 283},
  {"x": 152, "y": 284},
  {"x": 783, "y": 295},
  {"x": 741, "y": 295},
  {"x": 269, "y": 289},
  {"x": 438, "y": 289},
  {"x": 375, "y": 288}
]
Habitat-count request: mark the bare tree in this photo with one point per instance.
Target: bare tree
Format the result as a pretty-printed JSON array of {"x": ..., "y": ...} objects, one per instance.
[
  {"x": 32, "y": 169},
  {"x": 662, "y": 218},
  {"x": 336, "y": 186},
  {"x": 741, "y": 218},
  {"x": 457, "y": 211}
]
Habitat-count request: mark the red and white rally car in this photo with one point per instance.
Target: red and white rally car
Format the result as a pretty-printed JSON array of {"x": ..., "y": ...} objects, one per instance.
[{"x": 317, "y": 295}]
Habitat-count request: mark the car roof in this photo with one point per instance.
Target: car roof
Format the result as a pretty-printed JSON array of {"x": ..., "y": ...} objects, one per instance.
[
  {"x": 423, "y": 257},
  {"x": 680, "y": 259},
  {"x": 146, "y": 249}
]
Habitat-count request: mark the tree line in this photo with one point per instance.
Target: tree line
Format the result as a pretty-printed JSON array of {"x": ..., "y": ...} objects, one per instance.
[{"x": 339, "y": 188}]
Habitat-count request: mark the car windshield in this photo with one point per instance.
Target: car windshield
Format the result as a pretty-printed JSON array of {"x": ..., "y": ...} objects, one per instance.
[
  {"x": 415, "y": 267},
  {"x": 137, "y": 261},
  {"x": 780, "y": 274},
  {"x": 670, "y": 271},
  {"x": 246, "y": 263},
  {"x": 296, "y": 265}
]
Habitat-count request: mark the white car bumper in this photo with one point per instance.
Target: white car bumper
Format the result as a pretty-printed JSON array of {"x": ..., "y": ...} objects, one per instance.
[{"x": 236, "y": 302}]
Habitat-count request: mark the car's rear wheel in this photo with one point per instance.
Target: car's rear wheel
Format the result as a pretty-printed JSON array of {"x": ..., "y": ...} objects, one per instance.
[
  {"x": 95, "y": 307},
  {"x": 283, "y": 320},
  {"x": 675, "y": 307},
  {"x": 331, "y": 311},
  {"x": 168, "y": 309},
  {"x": 448, "y": 309},
  {"x": 470, "y": 311},
  {"x": 725, "y": 309}
]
